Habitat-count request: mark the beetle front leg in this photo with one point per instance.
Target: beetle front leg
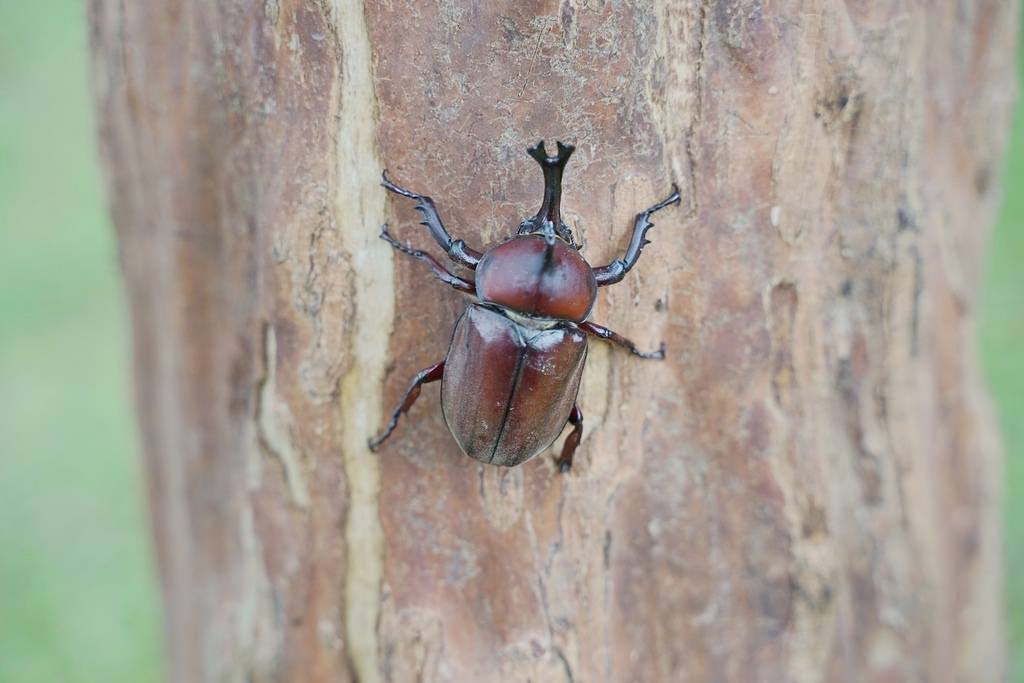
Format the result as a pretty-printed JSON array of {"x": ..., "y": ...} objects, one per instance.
[
  {"x": 442, "y": 273},
  {"x": 431, "y": 374},
  {"x": 572, "y": 441},
  {"x": 615, "y": 338},
  {"x": 617, "y": 269},
  {"x": 456, "y": 249}
]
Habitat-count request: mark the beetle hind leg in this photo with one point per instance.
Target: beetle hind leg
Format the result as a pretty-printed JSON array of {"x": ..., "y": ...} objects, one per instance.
[
  {"x": 616, "y": 338},
  {"x": 572, "y": 441},
  {"x": 426, "y": 376}
]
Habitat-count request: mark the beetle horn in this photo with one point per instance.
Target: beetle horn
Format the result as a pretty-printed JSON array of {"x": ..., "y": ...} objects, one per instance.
[{"x": 550, "y": 208}]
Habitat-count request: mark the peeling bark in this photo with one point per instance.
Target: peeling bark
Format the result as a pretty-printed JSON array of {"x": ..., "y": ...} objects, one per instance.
[{"x": 807, "y": 489}]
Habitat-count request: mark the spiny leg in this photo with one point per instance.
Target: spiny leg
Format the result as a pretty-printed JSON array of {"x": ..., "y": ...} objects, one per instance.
[
  {"x": 616, "y": 338},
  {"x": 431, "y": 374},
  {"x": 442, "y": 273},
  {"x": 456, "y": 249},
  {"x": 617, "y": 269},
  {"x": 564, "y": 462}
]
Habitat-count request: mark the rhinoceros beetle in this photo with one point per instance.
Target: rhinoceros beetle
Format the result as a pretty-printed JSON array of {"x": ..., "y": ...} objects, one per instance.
[{"x": 513, "y": 368}]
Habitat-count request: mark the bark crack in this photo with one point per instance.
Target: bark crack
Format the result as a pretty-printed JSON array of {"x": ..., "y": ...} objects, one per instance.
[{"x": 272, "y": 431}]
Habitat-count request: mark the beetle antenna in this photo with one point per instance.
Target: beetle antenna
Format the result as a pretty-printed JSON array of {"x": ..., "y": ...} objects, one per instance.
[{"x": 550, "y": 212}]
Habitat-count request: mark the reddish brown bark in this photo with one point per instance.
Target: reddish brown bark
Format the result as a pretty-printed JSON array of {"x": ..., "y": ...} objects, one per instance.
[{"x": 806, "y": 489}]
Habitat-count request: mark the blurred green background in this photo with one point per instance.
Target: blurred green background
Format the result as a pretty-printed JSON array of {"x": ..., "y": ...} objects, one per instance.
[
  {"x": 1002, "y": 344},
  {"x": 78, "y": 598}
]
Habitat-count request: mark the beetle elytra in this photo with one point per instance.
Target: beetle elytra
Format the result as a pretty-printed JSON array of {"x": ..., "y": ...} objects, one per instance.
[{"x": 510, "y": 377}]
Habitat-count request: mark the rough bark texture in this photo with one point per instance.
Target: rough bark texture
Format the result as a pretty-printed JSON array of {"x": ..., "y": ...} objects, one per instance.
[{"x": 807, "y": 489}]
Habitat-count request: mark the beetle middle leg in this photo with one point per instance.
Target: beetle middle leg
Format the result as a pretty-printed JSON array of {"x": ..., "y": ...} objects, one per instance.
[
  {"x": 617, "y": 269},
  {"x": 426, "y": 376},
  {"x": 616, "y": 338},
  {"x": 456, "y": 249},
  {"x": 442, "y": 273},
  {"x": 572, "y": 441}
]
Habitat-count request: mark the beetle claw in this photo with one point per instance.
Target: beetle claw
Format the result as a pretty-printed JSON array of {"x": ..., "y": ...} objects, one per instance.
[
  {"x": 564, "y": 466},
  {"x": 653, "y": 355}
]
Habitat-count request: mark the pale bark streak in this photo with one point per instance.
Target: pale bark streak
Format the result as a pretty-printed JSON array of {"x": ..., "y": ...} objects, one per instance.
[{"x": 360, "y": 213}]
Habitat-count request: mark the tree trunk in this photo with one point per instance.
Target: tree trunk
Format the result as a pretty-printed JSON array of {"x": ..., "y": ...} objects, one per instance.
[{"x": 807, "y": 489}]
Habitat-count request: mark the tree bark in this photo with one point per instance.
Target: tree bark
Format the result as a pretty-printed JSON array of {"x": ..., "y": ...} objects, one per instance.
[{"x": 806, "y": 489}]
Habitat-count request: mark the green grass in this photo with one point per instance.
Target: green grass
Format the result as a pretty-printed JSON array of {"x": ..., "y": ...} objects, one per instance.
[
  {"x": 1002, "y": 341},
  {"x": 78, "y": 600}
]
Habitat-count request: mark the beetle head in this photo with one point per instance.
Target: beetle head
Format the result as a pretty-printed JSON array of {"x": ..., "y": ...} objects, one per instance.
[{"x": 548, "y": 221}]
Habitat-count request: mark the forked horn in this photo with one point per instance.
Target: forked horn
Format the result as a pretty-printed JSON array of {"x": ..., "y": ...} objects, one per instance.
[{"x": 550, "y": 208}]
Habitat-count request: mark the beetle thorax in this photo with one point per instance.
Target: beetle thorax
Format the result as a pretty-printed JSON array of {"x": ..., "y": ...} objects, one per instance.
[{"x": 537, "y": 277}]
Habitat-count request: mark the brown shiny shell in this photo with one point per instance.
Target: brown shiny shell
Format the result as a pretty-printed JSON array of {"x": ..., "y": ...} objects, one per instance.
[
  {"x": 532, "y": 277},
  {"x": 508, "y": 388}
]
